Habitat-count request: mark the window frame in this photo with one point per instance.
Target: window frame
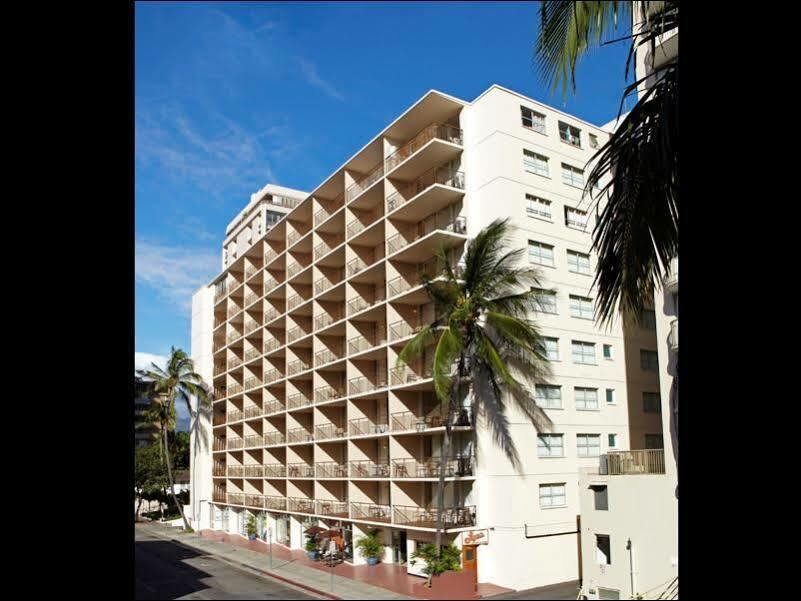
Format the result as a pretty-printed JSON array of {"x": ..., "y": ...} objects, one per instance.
[
  {"x": 587, "y": 436},
  {"x": 572, "y": 171},
  {"x": 538, "y": 214},
  {"x": 584, "y": 390},
  {"x": 578, "y": 255},
  {"x": 645, "y": 405},
  {"x": 550, "y": 486},
  {"x": 549, "y": 446},
  {"x": 558, "y": 388},
  {"x": 535, "y": 155},
  {"x": 569, "y": 129},
  {"x": 583, "y": 344},
  {"x": 582, "y": 301},
  {"x": 541, "y": 245},
  {"x": 533, "y": 121}
]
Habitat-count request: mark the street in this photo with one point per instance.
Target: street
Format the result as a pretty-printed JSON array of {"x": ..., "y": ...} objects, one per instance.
[
  {"x": 563, "y": 590},
  {"x": 166, "y": 570}
]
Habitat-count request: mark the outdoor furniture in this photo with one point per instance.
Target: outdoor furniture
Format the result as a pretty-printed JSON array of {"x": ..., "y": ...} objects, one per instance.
[
  {"x": 341, "y": 471},
  {"x": 401, "y": 471},
  {"x": 294, "y": 470},
  {"x": 340, "y": 432}
]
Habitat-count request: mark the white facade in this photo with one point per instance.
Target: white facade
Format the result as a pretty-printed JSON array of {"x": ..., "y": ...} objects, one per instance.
[{"x": 278, "y": 375}]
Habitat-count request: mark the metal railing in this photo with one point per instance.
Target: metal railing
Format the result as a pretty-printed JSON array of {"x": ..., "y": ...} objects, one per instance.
[
  {"x": 439, "y": 131},
  {"x": 357, "y": 344},
  {"x": 324, "y": 248},
  {"x": 254, "y": 501},
  {"x": 272, "y": 344},
  {"x": 402, "y": 329},
  {"x": 234, "y": 443},
  {"x": 235, "y": 498},
  {"x": 273, "y": 438},
  {"x": 296, "y": 333},
  {"x": 331, "y": 469},
  {"x": 234, "y": 389},
  {"x": 429, "y": 468},
  {"x": 356, "y": 188},
  {"x": 235, "y": 362},
  {"x": 275, "y": 502},
  {"x": 637, "y": 462},
  {"x": 356, "y": 225},
  {"x": 299, "y": 435},
  {"x": 293, "y": 401},
  {"x": 235, "y": 416},
  {"x": 271, "y": 314},
  {"x": 293, "y": 301},
  {"x": 270, "y": 255},
  {"x": 452, "y": 517},
  {"x": 235, "y": 471},
  {"x": 254, "y": 440},
  {"x": 300, "y": 505},
  {"x": 332, "y": 508},
  {"x": 252, "y": 382},
  {"x": 219, "y": 444},
  {"x": 252, "y": 353},
  {"x": 251, "y": 325},
  {"x": 438, "y": 221},
  {"x": 297, "y": 366},
  {"x": 233, "y": 336},
  {"x": 272, "y": 375},
  {"x": 293, "y": 237},
  {"x": 360, "y": 304},
  {"x": 364, "y": 384},
  {"x": 269, "y": 283},
  {"x": 219, "y": 470},
  {"x": 254, "y": 471},
  {"x": 324, "y": 283},
  {"x": 404, "y": 374},
  {"x": 299, "y": 470},
  {"x": 219, "y": 368},
  {"x": 329, "y": 355},
  {"x": 364, "y": 427},
  {"x": 253, "y": 411},
  {"x": 369, "y": 469},
  {"x": 371, "y": 512},
  {"x": 273, "y": 407},
  {"x": 327, "y": 318},
  {"x": 328, "y": 393},
  {"x": 251, "y": 297},
  {"x": 436, "y": 175},
  {"x": 403, "y": 421},
  {"x": 274, "y": 470},
  {"x": 219, "y": 496},
  {"x": 328, "y": 431}
]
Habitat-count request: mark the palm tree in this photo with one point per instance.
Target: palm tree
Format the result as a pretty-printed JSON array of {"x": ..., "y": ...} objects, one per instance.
[
  {"x": 486, "y": 347},
  {"x": 637, "y": 232},
  {"x": 178, "y": 382}
]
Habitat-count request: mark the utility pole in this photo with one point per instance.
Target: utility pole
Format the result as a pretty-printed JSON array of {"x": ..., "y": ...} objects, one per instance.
[{"x": 631, "y": 566}]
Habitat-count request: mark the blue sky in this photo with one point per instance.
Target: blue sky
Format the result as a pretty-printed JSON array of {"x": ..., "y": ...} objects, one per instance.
[{"x": 231, "y": 96}]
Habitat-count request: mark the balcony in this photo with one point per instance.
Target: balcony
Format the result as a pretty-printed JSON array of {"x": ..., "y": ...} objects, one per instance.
[
  {"x": 326, "y": 319},
  {"x": 329, "y": 355},
  {"x": 273, "y": 407},
  {"x": 673, "y": 337},
  {"x": 438, "y": 231},
  {"x": 299, "y": 435},
  {"x": 219, "y": 369},
  {"x": 272, "y": 344},
  {"x": 434, "y": 145},
  {"x": 254, "y": 440},
  {"x": 251, "y": 297},
  {"x": 219, "y": 444},
  {"x": 235, "y": 498},
  {"x": 274, "y": 502},
  {"x": 434, "y": 190},
  {"x": 324, "y": 283},
  {"x": 274, "y": 470},
  {"x": 366, "y": 427},
  {"x": 252, "y": 382},
  {"x": 359, "y": 344},
  {"x": 219, "y": 496},
  {"x": 271, "y": 314},
  {"x": 360, "y": 304},
  {"x": 220, "y": 292},
  {"x": 296, "y": 333},
  {"x": 324, "y": 248},
  {"x": 357, "y": 188},
  {"x": 331, "y": 469},
  {"x": 270, "y": 255},
  {"x": 371, "y": 512},
  {"x": 369, "y": 469},
  {"x": 296, "y": 400},
  {"x": 403, "y": 375},
  {"x": 253, "y": 411},
  {"x": 328, "y": 393},
  {"x": 452, "y": 517},
  {"x": 235, "y": 416},
  {"x": 234, "y": 363},
  {"x": 273, "y": 438},
  {"x": 269, "y": 283},
  {"x": 459, "y": 466},
  {"x": 672, "y": 278},
  {"x": 627, "y": 463},
  {"x": 235, "y": 471},
  {"x": 272, "y": 375},
  {"x": 328, "y": 431},
  {"x": 364, "y": 384},
  {"x": 235, "y": 389},
  {"x": 297, "y": 366},
  {"x": 300, "y": 505},
  {"x": 233, "y": 311},
  {"x": 219, "y": 470},
  {"x": 254, "y": 501},
  {"x": 332, "y": 508},
  {"x": 254, "y": 471},
  {"x": 252, "y": 353},
  {"x": 399, "y": 330},
  {"x": 299, "y": 470}
]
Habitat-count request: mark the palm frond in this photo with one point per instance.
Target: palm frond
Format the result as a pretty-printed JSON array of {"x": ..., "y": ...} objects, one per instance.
[
  {"x": 448, "y": 347},
  {"x": 488, "y": 403},
  {"x": 415, "y": 347}
]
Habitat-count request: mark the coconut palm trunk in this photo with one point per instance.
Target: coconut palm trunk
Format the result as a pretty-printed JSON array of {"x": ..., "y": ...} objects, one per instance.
[{"x": 170, "y": 480}]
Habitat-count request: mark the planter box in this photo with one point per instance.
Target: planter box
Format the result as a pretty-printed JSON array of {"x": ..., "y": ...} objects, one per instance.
[{"x": 450, "y": 585}]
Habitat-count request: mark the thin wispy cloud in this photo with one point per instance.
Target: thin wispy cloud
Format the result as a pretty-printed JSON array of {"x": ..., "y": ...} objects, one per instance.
[
  {"x": 174, "y": 273},
  {"x": 309, "y": 71}
]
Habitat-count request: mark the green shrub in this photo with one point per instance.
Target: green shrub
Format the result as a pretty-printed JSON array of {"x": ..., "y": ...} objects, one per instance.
[
  {"x": 448, "y": 561},
  {"x": 310, "y": 544},
  {"x": 370, "y": 545},
  {"x": 250, "y": 525}
]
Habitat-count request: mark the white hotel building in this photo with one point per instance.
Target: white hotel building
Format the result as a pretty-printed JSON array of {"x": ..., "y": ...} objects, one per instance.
[{"x": 313, "y": 423}]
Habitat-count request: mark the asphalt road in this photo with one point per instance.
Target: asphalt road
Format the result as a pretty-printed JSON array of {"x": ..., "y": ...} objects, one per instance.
[
  {"x": 563, "y": 590},
  {"x": 166, "y": 570}
]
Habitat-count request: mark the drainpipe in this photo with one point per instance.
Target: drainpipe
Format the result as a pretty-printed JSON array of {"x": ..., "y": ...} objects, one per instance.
[{"x": 631, "y": 566}]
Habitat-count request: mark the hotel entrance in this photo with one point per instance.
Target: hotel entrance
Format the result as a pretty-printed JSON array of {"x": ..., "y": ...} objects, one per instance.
[{"x": 399, "y": 547}]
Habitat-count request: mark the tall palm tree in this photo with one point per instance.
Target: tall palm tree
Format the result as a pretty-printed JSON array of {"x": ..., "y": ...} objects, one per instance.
[
  {"x": 637, "y": 232},
  {"x": 487, "y": 349},
  {"x": 178, "y": 382}
]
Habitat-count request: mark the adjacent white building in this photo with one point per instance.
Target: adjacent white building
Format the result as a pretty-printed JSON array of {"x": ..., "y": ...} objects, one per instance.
[{"x": 313, "y": 423}]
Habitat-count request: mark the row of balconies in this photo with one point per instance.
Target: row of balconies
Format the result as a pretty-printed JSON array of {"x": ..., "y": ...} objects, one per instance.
[{"x": 405, "y": 515}]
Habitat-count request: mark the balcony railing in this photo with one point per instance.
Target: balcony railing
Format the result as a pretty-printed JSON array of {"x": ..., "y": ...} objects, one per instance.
[
  {"x": 274, "y": 470},
  {"x": 251, "y": 326},
  {"x": 357, "y": 225},
  {"x": 234, "y": 389},
  {"x": 300, "y": 505},
  {"x": 375, "y": 174},
  {"x": 365, "y": 427},
  {"x": 328, "y": 393},
  {"x": 252, "y": 353},
  {"x": 364, "y": 384},
  {"x": 294, "y": 268},
  {"x": 327, "y": 431},
  {"x": 252, "y": 382},
  {"x": 403, "y": 374},
  {"x": 269, "y": 283},
  {"x": 235, "y": 416},
  {"x": 235, "y": 498},
  {"x": 233, "y": 337},
  {"x": 219, "y": 496},
  {"x": 273, "y": 407},
  {"x": 332, "y": 508},
  {"x": 331, "y": 469},
  {"x": 235, "y": 471},
  {"x": 322, "y": 215},
  {"x": 438, "y": 221},
  {"x": 293, "y": 237},
  {"x": 235, "y": 362},
  {"x": 329, "y": 355},
  {"x": 252, "y": 411},
  {"x": 402, "y": 329},
  {"x": 254, "y": 501},
  {"x": 440, "y": 131},
  {"x": 437, "y": 175},
  {"x": 299, "y": 470},
  {"x": 452, "y": 517},
  {"x": 251, "y": 297},
  {"x": 219, "y": 368},
  {"x": 324, "y": 283},
  {"x": 271, "y": 314},
  {"x": 220, "y": 292},
  {"x": 233, "y": 311},
  {"x": 254, "y": 471},
  {"x": 297, "y": 366},
  {"x": 299, "y": 435},
  {"x": 370, "y": 512},
  {"x": 638, "y": 462},
  {"x": 324, "y": 248},
  {"x": 405, "y": 421},
  {"x": 272, "y": 344},
  {"x": 369, "y": 469},
  {"x": 273, "y": 438},
  {"x": 254, "y": 440},
  {"x": 272, "y": 375},
  {"x": 296, "y": 333},
  {"x": 459, "y": 466},
  {"x": 219, "y": 470},
  {"x": 296, "y": 400},
  {"x": 270, "y": 255},
  {"x": 275, "y": 502},
  {"x": 293, "y": 301},
  {"x": 357, "y": 344},
  {"x": 360, "y": 304}
]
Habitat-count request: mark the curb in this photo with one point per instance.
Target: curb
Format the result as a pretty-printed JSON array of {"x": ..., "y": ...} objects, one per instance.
[{"x": 301, "y": 585}]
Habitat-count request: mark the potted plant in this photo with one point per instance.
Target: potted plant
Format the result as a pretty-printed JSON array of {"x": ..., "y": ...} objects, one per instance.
[
  {"x": 311, "y": 548},
  {"x": 370, "y": 547},
  {"x": 250, "y": 526},
  {"x": 448, "y": 561}
]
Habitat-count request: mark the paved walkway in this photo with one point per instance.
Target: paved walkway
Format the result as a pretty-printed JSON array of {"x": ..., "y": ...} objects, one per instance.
[
  {"x": 286, "y": 569},
  {"x": 562, "y": 590}
]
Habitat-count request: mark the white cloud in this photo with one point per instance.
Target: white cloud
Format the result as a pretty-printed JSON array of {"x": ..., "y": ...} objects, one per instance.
[
  {"x": 175, "y": 273},
  {"x": 143, "y": 360},
  {"x": 309, "y": 71}
]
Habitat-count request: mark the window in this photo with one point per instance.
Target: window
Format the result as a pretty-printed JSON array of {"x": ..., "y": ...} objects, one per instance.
[
  {"x": 603, "y": 549},
  {"x": 572, "y": 176},
  {"x": 535, "y": 163},
  {"x": 593, "y": 141},
  {"x": 612, "y": 440},
  {"x": 580, "y": 307},
  {"x": 578, "y": 262},
  {"x": 649, "y": 360},
  {"x": 586, "y": 399},
  {"x": 552, "y": 348},
  {"x": 552, "y": 495},
  {"x": 539, "y": 253},
  {"x": 546, "y": 300},
  {"x": 588, "y": 445},
  {"x": 607, "y": 351},
  {"x": 538, "y": 207},
  {"x": 583, "y": 352},
  {"x": 575, "y": 218},
  {"x": 548, "y": 397},
  {"x": 601, "y": 497},
  {"x": 532, "y": 119},
  {"x": 610, "y": 396},
  {"x": 570, "y": 134},
  {"x": 549, "y": 445},
  {"x": 654, "y": 441},
  {"x": 648, "y": 320},
  {"x": 651, "y": 402}
]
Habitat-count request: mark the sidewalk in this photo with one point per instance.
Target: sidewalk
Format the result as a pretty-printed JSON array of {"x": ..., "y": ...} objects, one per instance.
[{"x": 284, "y": 568}]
